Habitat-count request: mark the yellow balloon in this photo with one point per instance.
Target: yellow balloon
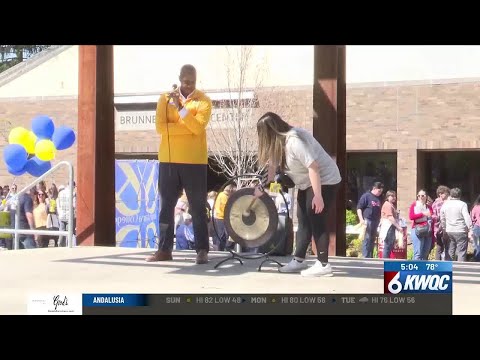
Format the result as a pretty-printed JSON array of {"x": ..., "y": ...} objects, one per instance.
[
  {"x": 18, "y": 135},
  {"x": 45, "y": 150},
  {"x": 29, "y": 143}
]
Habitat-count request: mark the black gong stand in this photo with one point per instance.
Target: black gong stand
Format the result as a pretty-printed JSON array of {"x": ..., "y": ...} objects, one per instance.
[{"x": 239, "y": 256}]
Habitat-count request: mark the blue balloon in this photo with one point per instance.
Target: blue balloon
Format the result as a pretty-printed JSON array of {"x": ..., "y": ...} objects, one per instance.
[
  {"x": 15, "y": 156},
  {"x": 63, "y": 137},
  {"x": 43, "y": 127},
  {"x": 16, "y": 173},
  {"x": 37, "y": 167}
]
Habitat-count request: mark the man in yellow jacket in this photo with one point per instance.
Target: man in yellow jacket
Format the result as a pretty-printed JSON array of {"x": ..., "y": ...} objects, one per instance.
[{"x": 182, "y": 118}]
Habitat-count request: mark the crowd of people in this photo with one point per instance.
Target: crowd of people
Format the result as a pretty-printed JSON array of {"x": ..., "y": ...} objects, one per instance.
[
  {"x": 43, "y": 207},
  {"x": 444, "y": 225}
]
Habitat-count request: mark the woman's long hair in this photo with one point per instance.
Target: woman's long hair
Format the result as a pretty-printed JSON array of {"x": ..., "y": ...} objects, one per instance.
[
  {"x": 272, "y": 130},
  {"x": 53, "y": 192}
]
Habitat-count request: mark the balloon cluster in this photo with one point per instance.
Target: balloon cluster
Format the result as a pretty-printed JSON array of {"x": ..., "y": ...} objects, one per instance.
[{"x": 31, "y": 151}]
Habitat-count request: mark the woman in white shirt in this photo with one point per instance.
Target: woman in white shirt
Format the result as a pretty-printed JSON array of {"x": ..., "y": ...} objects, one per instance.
[{"x": 300, "y": 156}]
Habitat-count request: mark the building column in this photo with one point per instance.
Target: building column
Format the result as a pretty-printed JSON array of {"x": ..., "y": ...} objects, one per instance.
[
  {"x": 407, "y": 179},
  {"x": 96, "y": 147},
  {"x": 329, "y": 128}
]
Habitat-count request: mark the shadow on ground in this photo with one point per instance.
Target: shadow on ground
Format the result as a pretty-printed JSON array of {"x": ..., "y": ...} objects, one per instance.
[{"x": 184, "y": 263}]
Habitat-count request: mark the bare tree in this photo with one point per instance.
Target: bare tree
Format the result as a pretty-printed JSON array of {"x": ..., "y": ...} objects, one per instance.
[{"x": 232, "y": 131}]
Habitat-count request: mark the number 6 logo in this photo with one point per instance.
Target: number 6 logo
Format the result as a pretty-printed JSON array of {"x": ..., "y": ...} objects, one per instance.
[{"x": 395, "y": 286}]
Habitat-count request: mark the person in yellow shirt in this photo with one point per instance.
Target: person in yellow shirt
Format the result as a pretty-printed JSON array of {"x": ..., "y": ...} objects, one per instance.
[
  {"x": 182, "y": 118},
  {"x": 220, "y": 236}
]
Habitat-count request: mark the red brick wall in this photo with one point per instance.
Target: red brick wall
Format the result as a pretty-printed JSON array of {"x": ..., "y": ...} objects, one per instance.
[
  {"x": 402, "y": 117},
  {"x": 412, "y": 117}
]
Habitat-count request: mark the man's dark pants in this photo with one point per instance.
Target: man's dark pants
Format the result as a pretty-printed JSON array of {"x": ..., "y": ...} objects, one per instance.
[
  {"x": 172, "y": 179},
  {"x": 370, "y": 236}
]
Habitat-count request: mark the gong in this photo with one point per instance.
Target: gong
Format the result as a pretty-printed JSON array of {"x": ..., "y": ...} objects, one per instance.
[{"x": 250, "y": 221}]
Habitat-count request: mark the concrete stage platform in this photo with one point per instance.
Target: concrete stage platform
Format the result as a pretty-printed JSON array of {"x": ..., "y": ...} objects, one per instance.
[{"x": 123, "y": 270}]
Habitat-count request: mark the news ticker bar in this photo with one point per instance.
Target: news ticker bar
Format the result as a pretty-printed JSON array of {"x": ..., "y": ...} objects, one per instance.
[{"x": 267, "y": 304}]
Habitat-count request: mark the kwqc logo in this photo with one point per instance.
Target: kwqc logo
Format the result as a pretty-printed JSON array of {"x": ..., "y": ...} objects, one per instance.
[{"x": 396, "y": 282}]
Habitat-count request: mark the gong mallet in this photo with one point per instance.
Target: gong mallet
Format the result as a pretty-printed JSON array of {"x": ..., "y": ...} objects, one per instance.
[{"x": 246, "y": 213}]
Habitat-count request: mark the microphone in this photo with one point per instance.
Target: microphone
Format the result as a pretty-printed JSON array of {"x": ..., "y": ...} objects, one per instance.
[{"x": 174, "y": 89}]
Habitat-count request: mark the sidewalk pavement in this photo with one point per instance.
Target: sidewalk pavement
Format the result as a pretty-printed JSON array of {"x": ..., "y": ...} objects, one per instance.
[{"x": 124, "y": 270}]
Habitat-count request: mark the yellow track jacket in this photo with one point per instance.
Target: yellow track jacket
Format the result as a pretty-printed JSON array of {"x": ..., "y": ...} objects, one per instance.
[
  {"x": 184, "y": 141},
  {"x": 220, "y": 204}
]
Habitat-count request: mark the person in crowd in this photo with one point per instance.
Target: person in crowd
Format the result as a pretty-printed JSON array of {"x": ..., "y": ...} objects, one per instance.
[
  {"x": 475, "y": 216},
  {"x": 10, "y": 206},
  {"x": 284, "y": 206},
  {"x": 185, "y": 238},
  {"x": 53, "y": 222},
  {"x": 443, "y": 192},
  {"x": 25, "y": 219},
  {"x": 40, "y": 214},
  {"x": 390, "y": 220},
  {"x": 181, "y": 208},
  {"x": 369, "y": 214},
  {"x": 422, "y": 226},
  {"x": 220, "y": 235},
  {"x": 457, "y": 224},
  {"x": 63, "y": 211}
]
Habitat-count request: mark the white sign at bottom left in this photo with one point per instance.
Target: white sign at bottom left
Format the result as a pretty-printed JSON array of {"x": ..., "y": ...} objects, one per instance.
[{"x": 54, "y": 304}]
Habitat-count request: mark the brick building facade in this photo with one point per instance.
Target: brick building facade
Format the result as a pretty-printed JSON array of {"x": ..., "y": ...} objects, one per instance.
[
  {"x": 409, "y": 120},
  {"x": 415, "y": 120}
]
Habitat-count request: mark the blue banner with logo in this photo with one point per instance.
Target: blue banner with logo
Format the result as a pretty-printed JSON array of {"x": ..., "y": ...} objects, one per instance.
[
  {"x": 137, "y": 203},
  {"x": 114, "y": 300},
  {"x": 428, "y": 277}
]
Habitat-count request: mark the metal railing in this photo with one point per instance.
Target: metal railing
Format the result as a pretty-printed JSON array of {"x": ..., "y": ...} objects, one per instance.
[{"x": 68, "y": 233}]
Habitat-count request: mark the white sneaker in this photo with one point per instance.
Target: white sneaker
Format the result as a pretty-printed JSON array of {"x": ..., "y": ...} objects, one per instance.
[
  {"x": 293, "y": 266},
  {"x": 318, "y": 270}
]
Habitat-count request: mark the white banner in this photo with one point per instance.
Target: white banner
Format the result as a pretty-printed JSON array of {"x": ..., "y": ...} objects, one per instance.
[
  {"x": 226, "y": 118},
  {"x": 134, "y": 120},
  {"x": 222, "y": 118},
  {"x": 54, "y": 304}
]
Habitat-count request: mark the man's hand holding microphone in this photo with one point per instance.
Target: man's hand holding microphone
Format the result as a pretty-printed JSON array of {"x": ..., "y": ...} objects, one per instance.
[{"x": 174, "y": 95}]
